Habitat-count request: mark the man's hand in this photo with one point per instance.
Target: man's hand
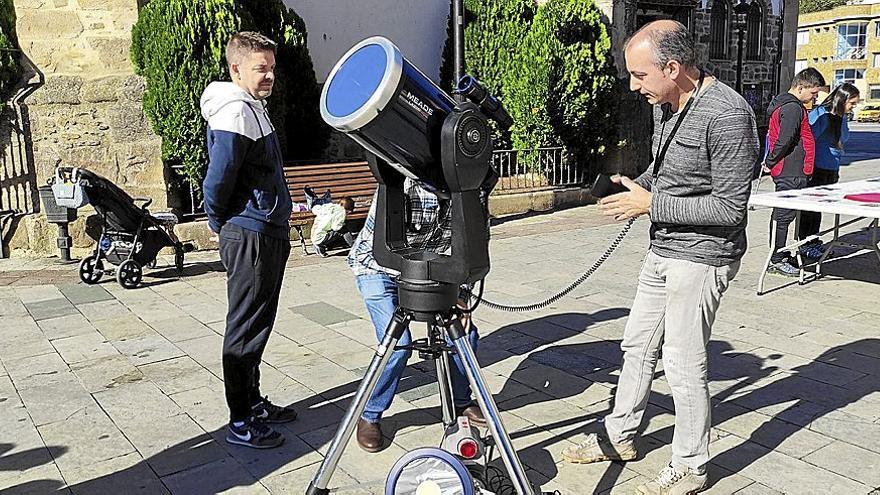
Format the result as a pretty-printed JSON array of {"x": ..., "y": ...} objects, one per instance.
[
  {"x": 630, "y": 204},
  {"x": 215, "y": 237}
]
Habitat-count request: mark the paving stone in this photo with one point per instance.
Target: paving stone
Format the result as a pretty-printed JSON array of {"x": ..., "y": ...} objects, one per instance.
[
  {"x": 135, "y": 403},
  {"x": 848, "y": 460},
  {"x": 146, "y": 349},
  {"x": 51, "y": 308},
  {"x": 83, "y": 438},
  {"x": 127, "y": 474},
  {"x": 85, "y": 347},
  {"x": 22, "y": 447},
  {"x": 178, "y": 375},
  {"x": 180, "y": 329},
  {"x": 37, "y": 293},
  {"x": 206, "y": 406},
  {"x": 294, "y": 482},
  {"x": 221, "y": 476},
  {"x": 122, "y": 327},
  {"x": 173, "y": 445},
  {"x": 65, "y": 326},
  {"x": 207, "y": 351},
  {"x": 81, "y": 293},
  {"x": 104, "y": 309},
  {"x": 35, "y": 481},
  {"x": 323, "y": 313},
  {"x": 35, "y": 371},
  {"x": 106, "y": 372},
  {"x": 779, "y": 471},
  {"x": 56, "y": 401}
]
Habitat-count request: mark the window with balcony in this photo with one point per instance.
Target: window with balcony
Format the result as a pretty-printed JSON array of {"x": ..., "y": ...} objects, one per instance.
[
  {"x": 848, "y": 76},
  {"x": 719, "y": 33},
  {"x": 874, "y": 93},
  {"x": 803, "y": 37},
  {"x": 851, "y": 39}
]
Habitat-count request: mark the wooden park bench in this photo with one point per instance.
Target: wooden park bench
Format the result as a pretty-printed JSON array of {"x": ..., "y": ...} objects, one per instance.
[{"x": 344, "y": 180}]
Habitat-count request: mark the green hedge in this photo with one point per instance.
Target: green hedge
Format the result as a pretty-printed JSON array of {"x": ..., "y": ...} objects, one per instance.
[
  {"x": 10, "y": 69},
  {"x": 562, "y": 91},
  {"x": 178, "y": 47},
  {"x": 493, "y": 31},
  {"x": 807, "y": 6}
]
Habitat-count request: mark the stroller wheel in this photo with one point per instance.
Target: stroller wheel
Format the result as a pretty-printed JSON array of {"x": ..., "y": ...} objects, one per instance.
[
  {"x": 91, "y": 269},
  {"x": 129, "y": 274}
]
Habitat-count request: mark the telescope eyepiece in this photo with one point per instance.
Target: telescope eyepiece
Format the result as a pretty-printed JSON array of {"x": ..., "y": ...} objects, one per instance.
[{"x": 471, "y": 88}]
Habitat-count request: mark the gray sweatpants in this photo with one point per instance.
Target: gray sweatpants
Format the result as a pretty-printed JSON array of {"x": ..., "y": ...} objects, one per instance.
[{"x": 674, "y": 307}]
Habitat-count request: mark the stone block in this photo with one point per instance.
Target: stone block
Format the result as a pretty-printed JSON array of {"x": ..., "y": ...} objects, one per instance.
[
  {"x": 128, "y": 123},
  {"x": 47, "y": 24},
  {"x": 22, "y": 5},
  {"x": 112, "y": 52},
  {"x": 132, "y": 89},
  {"x": 108, "y": 4},
  {"x": 100, "y": 90},
  {"x": 59, "y": 90}
]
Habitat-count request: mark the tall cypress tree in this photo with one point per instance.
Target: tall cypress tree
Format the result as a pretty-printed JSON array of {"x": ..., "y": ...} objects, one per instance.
[{"x": 178, "y": 46}]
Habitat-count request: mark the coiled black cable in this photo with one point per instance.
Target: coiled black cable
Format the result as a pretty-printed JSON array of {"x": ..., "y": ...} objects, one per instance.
[{"x": 559, "y": 295}]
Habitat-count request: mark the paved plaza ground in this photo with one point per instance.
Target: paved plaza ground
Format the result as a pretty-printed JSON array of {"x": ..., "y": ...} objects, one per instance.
[{"x": 112, "y": 391}]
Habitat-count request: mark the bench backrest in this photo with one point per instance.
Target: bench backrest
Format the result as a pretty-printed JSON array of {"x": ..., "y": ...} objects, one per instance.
[{"x": 344, "y": 180}]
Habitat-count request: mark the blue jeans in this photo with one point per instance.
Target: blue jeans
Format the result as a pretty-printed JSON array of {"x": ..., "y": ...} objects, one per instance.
[{"x": 380, "y": 297}]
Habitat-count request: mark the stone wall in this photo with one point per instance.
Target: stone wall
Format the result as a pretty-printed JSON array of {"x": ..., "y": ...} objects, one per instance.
[
  {"x": 88, "y": 112},
  {"x": 758, "y": 76}
]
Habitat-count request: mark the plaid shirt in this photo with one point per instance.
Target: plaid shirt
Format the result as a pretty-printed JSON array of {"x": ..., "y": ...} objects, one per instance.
[{"x": 427, "y": 229}]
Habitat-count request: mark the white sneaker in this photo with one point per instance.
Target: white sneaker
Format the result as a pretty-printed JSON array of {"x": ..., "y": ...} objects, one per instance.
[
  {"x": 673, "y": 482},
  {"x": 598, "y": 448}
]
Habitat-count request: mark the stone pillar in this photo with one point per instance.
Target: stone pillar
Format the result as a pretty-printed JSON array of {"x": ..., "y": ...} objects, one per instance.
[{"x": 88, "y": 112}]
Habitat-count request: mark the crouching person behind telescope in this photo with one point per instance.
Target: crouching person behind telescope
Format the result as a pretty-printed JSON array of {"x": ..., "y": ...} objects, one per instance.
[{"x": 428, "y": 228}]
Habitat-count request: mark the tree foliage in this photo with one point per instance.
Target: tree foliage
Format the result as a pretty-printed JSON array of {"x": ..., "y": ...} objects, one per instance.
[
  {"x": 10, "y": 69},
  {"x": 562, "y": 91},
  {"x": 178, "y": 46},
  {"x": 493, "y": 31},
  {"x": 807, "y": 6}
]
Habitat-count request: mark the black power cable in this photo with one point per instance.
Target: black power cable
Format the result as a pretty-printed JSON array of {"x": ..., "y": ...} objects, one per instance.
[{"x": 559, "y": 295}]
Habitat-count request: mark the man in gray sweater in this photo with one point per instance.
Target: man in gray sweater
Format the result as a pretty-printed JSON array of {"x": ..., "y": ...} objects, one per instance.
[{"x": 695, "y": 193}]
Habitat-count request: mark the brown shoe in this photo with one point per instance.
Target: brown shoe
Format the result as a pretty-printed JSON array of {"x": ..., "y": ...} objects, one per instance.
[
  {"x": 369, "y": 436},
  {"x": 474, "y": 414}
]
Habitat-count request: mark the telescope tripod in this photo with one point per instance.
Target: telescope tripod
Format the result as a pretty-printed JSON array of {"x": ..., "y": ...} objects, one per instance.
[{"x": 440, "y": 322}]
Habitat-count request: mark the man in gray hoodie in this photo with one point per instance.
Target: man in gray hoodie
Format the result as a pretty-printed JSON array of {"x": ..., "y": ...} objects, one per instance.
[
  {"x": 248, "y": 206},
  {"x": 696, "y": 193}
]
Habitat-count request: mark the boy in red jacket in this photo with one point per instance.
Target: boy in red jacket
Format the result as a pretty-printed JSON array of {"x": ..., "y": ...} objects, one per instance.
[{"x": 790, "y": 154}]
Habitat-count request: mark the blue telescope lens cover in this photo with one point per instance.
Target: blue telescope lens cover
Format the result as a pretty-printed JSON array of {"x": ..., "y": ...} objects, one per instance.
[{"x": 356, "y": 80}]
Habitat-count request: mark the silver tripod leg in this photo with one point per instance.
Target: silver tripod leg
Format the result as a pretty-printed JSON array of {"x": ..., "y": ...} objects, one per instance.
[
  {"x": 487, "y": 404},
  {"x": 395, "y": 329},
  {"x": 444, "y": 378}
]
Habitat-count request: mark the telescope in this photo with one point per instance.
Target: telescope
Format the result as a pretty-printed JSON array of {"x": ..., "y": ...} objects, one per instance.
[{"x": 413, "y": 129}]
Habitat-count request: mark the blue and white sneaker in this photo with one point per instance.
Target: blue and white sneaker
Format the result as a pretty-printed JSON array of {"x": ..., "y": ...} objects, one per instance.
[
  {"x": 267, "y": 412},
  {"x": 813, "y": 250},
  {"x": 784, "y": 268},
  {"x": 254, "y": 434}
]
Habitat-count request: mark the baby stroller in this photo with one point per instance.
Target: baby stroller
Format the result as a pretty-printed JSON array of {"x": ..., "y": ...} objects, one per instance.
[{"x": 130, "y": 236}]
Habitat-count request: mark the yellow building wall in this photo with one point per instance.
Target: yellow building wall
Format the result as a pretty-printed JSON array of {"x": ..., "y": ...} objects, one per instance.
[{"x": 821, "y": 49}]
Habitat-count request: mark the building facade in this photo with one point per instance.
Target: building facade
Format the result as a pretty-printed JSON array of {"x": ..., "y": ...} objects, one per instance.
[{"x": 844, "y": 45}]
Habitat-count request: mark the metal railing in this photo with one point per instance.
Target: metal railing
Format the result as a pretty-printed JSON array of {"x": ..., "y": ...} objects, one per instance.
[{"x": 535, "y": 169}]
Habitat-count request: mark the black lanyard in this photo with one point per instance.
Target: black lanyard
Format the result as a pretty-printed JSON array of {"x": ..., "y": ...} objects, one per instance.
[{"x": 661, "y": 153}]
